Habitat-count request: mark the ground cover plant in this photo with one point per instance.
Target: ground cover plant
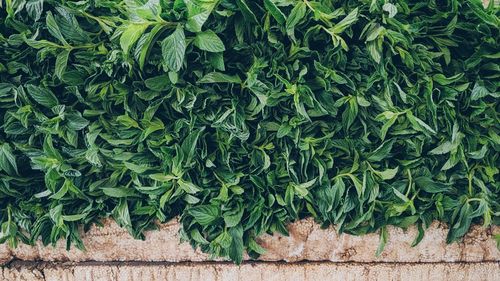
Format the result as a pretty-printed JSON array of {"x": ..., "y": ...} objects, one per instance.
[{"x": 241, "y": 116}]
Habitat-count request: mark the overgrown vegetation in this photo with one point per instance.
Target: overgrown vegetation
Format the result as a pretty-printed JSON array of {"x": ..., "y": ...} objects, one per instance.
[{"x": 241, "y": 116}]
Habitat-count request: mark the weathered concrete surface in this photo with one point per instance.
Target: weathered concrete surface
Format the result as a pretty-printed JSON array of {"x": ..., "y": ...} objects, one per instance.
[
  {"x": 307, "y": 242},
  {"x": 256, "y": 272}
]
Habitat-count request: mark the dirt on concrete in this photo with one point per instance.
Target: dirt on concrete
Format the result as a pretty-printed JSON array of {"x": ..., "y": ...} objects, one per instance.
[
  {"x": 259, "y": 271},
  {"x": 307, "y": 242}
]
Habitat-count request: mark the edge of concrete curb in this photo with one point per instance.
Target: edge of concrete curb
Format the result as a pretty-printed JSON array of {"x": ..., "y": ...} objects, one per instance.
[{"x": 306, "y": 242}]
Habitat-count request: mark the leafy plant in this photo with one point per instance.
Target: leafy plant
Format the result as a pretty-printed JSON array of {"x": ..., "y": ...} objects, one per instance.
[{"x": 243, "y": 116}]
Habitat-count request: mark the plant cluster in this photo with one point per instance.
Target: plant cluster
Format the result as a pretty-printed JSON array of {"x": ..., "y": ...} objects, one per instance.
[{"x": 241, "y": 116}]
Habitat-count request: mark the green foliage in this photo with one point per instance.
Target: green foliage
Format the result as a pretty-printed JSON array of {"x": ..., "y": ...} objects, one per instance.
[{"x": 242, "y": 116}]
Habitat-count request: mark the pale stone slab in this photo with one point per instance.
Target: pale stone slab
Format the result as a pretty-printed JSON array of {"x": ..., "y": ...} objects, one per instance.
[
  {"x": 258, "y": 272},
  {"x": 307, "y": 242}
]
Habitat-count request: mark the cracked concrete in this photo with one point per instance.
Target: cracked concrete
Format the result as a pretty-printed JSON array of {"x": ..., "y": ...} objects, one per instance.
[{"x": 307, "y": 242}]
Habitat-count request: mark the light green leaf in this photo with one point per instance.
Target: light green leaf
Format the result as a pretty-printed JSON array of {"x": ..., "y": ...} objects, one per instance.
[
  {"x": 217, "y": 77},
  {"x": 443, "y": 148},
  {"x": 388, "y": 174},
  {"x": 188, "y": 187},
  {"x": 130, "y": 35},
  {"x": 198, "y": 13},
  {"x": 391, "y": 9},
  {"x": 418, "y": 124},
  {"x": 118, "y": 192},
  {"x": 209, "y": 41},
  {"x": 173, "y": 49},
  {"x": 443, "y": 80},
  {"x": 349, "y": 20},
  {"x": 61, "y": 63}
]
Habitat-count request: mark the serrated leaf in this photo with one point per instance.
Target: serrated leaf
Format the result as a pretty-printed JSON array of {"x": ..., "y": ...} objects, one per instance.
[
  {"x": 42, "y": 95},
  {"x": 53, "y": 28},
  {"x": 173, "y": 49},
  {"x": 204, "y": 214},
  {"x": 209, "y": 41}
]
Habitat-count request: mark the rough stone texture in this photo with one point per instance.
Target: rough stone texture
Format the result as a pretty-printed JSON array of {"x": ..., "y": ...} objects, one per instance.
[
  {"x": 307, "y": 242},
  {"x": 256, "y": 272},
  {"x": 5, "y": 254},
  {"x": 113, "y": 243}
]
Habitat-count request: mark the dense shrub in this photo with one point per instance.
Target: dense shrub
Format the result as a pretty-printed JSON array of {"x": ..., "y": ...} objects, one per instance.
[{"x": 241, "y": 116}]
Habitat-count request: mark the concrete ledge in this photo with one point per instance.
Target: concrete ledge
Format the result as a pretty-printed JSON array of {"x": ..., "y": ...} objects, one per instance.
[
  {"x": 254, "y": 272},
  {"x": 307, "y": 242}
]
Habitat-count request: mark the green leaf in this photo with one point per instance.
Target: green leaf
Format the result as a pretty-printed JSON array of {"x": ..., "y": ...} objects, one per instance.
[
  {"x": 383, "y": 241},
  {"x": 443, "y": 80},
  {"x": 232, "y": 219},
  {"x": 346, "y": 22},
  {"x": 8, "y": 160},
  {"x": 296, "y": 15},
  {"x": 75, "y": 217},
  {"x": 382, "y": 152},
  {"x": 246, "y": 11},
  {"x": 150, "y": 40},
  {"x": 391, "y": 9},
  {"x": 118, "y": 192},
  {"x": 173, "y": 49},
  {"x": 443, "y": 148},
  {"x": 54, "y": 28},
  {"x": 42, "y": 95},
  {"x": 204, "y": 214},
  {"x": 34, "y": 9},
  {"x": 127, "y": 121},
  {"x": 428, "y": 185},
  {"x": 188, "y": 187},
  {"x": 388, "y": 173},
  {"x": 217, "y": 77},
  {"x": 209, "y": 41},
  {"x": 162, "y": 177},
  {"x": 198, "y": 12},
  {"x": 274, "y": 11},
  {"x": 130, "y": 35},
  {"x": 418, "y": 124},
  {"x": 350, "y": 113},
  {"x": 157, "y": 83},
  {"x": 237, "y": 247},
  {"x": 76, "y": 122},
  {"x": 61, "y": 63},
  {"x": 121, "y": 214},
  {"x": 479, "y": 92}
]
